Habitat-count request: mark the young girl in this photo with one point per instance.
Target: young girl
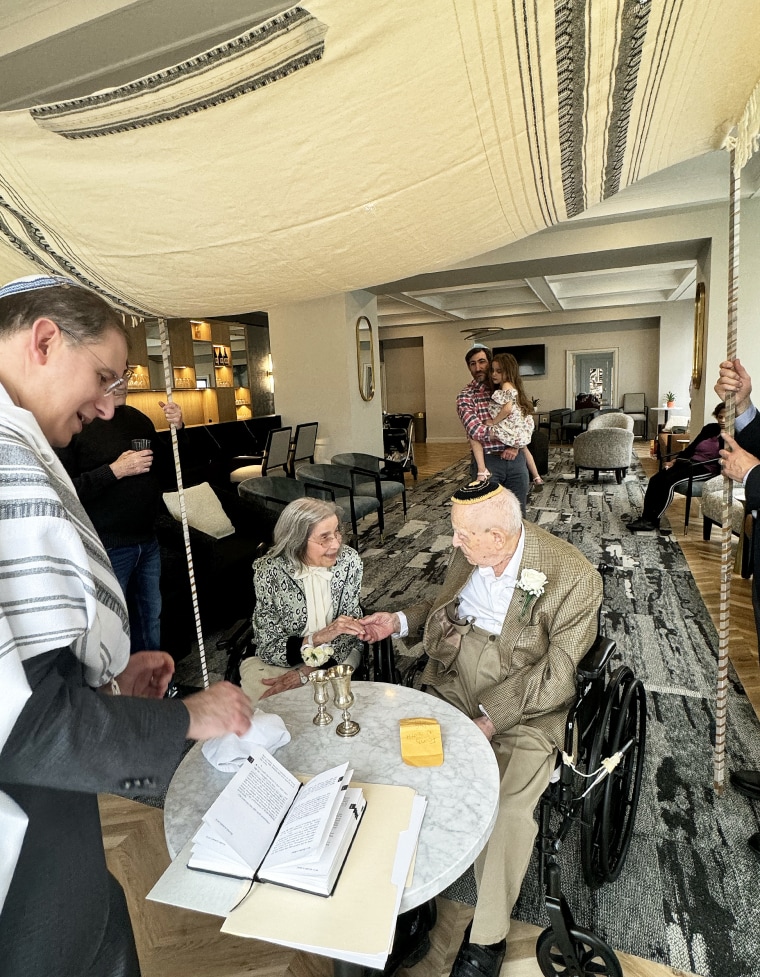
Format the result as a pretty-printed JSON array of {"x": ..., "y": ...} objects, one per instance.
[{"x": 512, "y": 415}]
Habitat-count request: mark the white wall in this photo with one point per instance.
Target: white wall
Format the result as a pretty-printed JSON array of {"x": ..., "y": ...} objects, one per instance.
[
  {"x": 316, "y": 376},
  {"x": 654, "y": 360}
]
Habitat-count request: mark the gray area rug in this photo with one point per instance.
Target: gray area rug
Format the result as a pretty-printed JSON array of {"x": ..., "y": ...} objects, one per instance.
[{"x": 688, "y": 895}]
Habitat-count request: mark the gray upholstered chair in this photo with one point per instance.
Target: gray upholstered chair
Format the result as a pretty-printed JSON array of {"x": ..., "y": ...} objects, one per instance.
[
  {"x": 603, "y": 449},
  {"x": 636, "y": 406},
  {"x": 334, "y": 482},
  {"x": 372, "y": 478},
  {"x": 712, "y": 515},
  {"x": 303, "y": 445},
  {"x": 275, "y": 456},
  {"x": 609, "y": 419}
]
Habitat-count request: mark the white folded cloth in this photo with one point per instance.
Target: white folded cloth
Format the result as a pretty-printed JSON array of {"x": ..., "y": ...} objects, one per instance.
[{"x": 229, "y": 752}]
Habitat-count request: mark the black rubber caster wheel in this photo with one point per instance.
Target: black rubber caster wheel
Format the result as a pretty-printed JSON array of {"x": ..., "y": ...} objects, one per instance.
[{"x": 595, "y": 958}]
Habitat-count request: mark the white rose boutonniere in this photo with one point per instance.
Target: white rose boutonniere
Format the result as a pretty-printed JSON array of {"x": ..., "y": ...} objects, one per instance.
[
  {"x": 532, "y": 583},
  {"x": 316, "y": 656}
]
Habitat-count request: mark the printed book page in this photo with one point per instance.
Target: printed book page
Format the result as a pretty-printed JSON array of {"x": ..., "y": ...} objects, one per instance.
[{"x": 248, "y": 812}]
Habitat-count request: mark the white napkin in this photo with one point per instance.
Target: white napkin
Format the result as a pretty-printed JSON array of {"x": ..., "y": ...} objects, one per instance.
[{"x": 228, "y": 752}]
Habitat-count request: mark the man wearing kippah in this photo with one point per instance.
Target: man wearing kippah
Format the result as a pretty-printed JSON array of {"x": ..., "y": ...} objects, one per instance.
[
  {"x": 517, "y": 612},
  {"x": 506, "y": 464}
]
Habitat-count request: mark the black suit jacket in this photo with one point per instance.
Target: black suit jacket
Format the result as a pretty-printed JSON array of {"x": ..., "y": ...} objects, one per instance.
[
  {"x": 749, "y": 439},
  {"x": 69, "y": 744}
]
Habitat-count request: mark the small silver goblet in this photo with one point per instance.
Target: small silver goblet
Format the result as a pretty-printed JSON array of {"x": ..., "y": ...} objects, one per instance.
[
  {"x": 319, "y": 680},
  {"x": 340, "y": 677}
]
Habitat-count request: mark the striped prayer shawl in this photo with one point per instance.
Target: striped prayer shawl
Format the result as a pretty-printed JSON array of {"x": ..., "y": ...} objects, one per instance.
[{"x": 57, "y": 587}]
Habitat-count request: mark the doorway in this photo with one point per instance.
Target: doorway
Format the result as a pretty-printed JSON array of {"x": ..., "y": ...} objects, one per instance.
[{"x": 592, "y": 371}]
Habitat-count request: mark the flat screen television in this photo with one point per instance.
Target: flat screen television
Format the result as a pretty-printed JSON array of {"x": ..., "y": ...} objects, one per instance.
[{"x": 531, "y": 359}]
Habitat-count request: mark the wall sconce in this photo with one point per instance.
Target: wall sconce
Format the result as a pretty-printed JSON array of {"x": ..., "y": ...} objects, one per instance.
[{"x": 270, "y": 373}]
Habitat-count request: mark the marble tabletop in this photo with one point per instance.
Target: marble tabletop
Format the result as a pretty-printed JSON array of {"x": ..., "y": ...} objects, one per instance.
[{"x": 462, "y": 794}]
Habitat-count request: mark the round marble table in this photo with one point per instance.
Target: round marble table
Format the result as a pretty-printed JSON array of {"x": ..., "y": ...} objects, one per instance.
[{"x": 462, "y": 794}]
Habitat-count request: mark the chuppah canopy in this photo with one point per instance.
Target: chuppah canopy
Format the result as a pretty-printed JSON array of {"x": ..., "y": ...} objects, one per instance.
[{"x": 342, "y": 145}]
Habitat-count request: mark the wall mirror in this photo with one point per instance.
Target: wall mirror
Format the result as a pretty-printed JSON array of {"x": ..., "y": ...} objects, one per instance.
[
  {"x": 365, "y": 357},
  {"x": 239, "y": 356},
  {"x": 155, "y": 359}
]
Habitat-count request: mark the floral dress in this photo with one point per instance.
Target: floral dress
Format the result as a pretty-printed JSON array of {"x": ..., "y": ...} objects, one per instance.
[{"x": 516, "y": 429}]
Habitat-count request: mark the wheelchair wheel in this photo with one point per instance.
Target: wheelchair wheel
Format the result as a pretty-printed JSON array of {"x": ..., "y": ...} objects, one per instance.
[
  {"x": 609, "y": 810},
  {"x": 596, "y": 959}
]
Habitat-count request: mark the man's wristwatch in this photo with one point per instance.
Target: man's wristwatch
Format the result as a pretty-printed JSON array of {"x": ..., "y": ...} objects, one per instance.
[{"x": 303, "y": 676}]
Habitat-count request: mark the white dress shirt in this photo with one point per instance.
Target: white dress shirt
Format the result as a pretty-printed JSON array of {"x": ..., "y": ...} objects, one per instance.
[{"x": 485, "y": 598}]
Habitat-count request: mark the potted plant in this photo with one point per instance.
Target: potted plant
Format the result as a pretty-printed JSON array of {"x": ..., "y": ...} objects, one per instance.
[
  {"x": 536, "y": 402},
  {"x": 670, "y": 398}
]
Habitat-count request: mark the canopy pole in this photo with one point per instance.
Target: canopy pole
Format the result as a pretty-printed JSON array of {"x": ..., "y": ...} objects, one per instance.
[
  {"x": 163, "y": 335},
  {"x": 724, "y": 612}
]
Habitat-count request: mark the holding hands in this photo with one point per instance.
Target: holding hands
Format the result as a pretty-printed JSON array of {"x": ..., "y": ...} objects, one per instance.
[
  {"x": 341, "y": 625},
  {"x": 380, "y": 625}
]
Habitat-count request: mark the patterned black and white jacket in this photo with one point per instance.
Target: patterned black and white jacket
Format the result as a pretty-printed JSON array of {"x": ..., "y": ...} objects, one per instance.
[{"x": 279, "y": 617}]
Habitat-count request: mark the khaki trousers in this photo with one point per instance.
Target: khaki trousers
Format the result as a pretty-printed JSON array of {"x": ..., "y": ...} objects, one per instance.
[{"x": 526, "y": 759}]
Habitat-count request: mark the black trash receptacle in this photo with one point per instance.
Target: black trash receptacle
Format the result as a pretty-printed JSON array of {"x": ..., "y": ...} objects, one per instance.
[{"x": 420, "y": 426}]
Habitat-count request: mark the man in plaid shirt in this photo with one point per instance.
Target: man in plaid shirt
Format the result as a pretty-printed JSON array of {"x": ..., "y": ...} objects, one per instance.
[{"x": 507, "y": 465}]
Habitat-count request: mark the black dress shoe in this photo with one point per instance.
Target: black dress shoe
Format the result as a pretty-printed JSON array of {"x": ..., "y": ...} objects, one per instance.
[
  {"x": 747, "y": 782},
  {"x": 477, "y": 960},
  {"x": 643, "y": 526},
  {"x": 754, "y": 843}
]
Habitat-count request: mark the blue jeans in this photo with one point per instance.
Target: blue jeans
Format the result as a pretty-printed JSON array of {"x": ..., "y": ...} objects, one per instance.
[
  {"x": 511, "y": 474},
  {"x": 138, "y": 570}
]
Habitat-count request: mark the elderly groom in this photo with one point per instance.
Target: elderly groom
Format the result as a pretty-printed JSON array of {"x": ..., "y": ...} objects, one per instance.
[{"x": 506, "y": 656}]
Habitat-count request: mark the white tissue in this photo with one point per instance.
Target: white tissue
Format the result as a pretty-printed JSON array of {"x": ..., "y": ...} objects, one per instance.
[{"x": 228, "y": 752}]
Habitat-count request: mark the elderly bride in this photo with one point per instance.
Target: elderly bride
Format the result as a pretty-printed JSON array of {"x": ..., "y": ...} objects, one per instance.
[{"x": 307, "y": 601}]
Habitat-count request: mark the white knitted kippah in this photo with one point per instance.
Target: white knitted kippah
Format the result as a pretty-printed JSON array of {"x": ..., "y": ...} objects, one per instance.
[{"x": 32, "y": 283}]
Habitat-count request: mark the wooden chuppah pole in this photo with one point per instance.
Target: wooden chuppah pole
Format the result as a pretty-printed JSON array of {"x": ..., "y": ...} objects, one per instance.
[{"x": 724, "y": 612}]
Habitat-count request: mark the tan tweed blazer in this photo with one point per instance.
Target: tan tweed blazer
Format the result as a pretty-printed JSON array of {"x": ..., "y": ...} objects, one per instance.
[{"x": 540, "y": 649}]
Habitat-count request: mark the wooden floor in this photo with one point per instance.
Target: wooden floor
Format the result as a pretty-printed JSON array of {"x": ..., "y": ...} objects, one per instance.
[{"x": 176, "y": 943}]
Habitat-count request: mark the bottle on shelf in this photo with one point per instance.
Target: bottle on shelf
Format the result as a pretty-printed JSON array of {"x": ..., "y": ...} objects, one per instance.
[{"x": 226, "y": 359}]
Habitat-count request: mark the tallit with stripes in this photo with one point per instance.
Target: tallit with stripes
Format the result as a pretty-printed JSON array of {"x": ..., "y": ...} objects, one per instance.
[{"x": 57, "y": 587}]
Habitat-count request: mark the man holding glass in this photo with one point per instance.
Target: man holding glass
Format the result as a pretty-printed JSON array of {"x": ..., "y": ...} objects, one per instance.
[{"x": 120, "y": 470}]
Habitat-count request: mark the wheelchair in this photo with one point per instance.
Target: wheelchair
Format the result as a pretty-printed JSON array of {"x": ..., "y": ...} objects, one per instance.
[
  {"x": 597, "y": 784},
  {"x": 607, "y": 727}
]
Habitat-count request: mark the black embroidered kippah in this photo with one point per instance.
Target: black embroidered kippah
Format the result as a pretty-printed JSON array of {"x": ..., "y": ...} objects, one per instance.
[{"x": 476, "y": 492}]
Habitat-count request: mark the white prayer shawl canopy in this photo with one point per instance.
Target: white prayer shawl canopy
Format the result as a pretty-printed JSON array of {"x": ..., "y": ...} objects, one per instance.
[{"x": 401, "y": 138}]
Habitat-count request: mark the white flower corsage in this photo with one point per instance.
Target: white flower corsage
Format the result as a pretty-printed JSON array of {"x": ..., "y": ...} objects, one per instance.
[
  {"x": 532, "y": 583},
  {"x": 316, "y": 656}
]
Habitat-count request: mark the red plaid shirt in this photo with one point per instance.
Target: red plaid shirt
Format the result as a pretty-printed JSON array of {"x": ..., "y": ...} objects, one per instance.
[{"x": 472, "y": 407}]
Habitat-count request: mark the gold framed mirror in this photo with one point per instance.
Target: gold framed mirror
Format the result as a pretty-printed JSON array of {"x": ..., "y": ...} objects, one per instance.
[
  {"x": 699, "y": 336},
  {"x": 365, "y": 357}
]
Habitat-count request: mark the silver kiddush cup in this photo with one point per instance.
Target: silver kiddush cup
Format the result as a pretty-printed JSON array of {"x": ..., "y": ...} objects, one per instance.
[
  {"x": 340, "y": 678},
  {"x": 319, "y": 679}
]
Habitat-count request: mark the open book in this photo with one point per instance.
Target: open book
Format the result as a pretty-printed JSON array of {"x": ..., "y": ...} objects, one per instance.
[{"x": 267, "y": 825}]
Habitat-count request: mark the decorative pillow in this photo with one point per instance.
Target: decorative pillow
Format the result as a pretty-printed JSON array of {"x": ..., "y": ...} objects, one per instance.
[{"x": 204, "y": 510}]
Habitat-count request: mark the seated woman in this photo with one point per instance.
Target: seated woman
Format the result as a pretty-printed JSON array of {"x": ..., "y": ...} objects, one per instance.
[
  {"x": 307, "y": 595},
  {"x": 700, "y": 457}
]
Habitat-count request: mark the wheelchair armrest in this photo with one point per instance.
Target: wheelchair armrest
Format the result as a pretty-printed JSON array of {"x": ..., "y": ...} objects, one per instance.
[
  {"x": 229, "y": 638},
  {"x": 594, "y": 662}
]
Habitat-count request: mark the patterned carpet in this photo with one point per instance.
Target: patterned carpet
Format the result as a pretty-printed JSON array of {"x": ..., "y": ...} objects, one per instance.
[{"x": 688, "y": 895}]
